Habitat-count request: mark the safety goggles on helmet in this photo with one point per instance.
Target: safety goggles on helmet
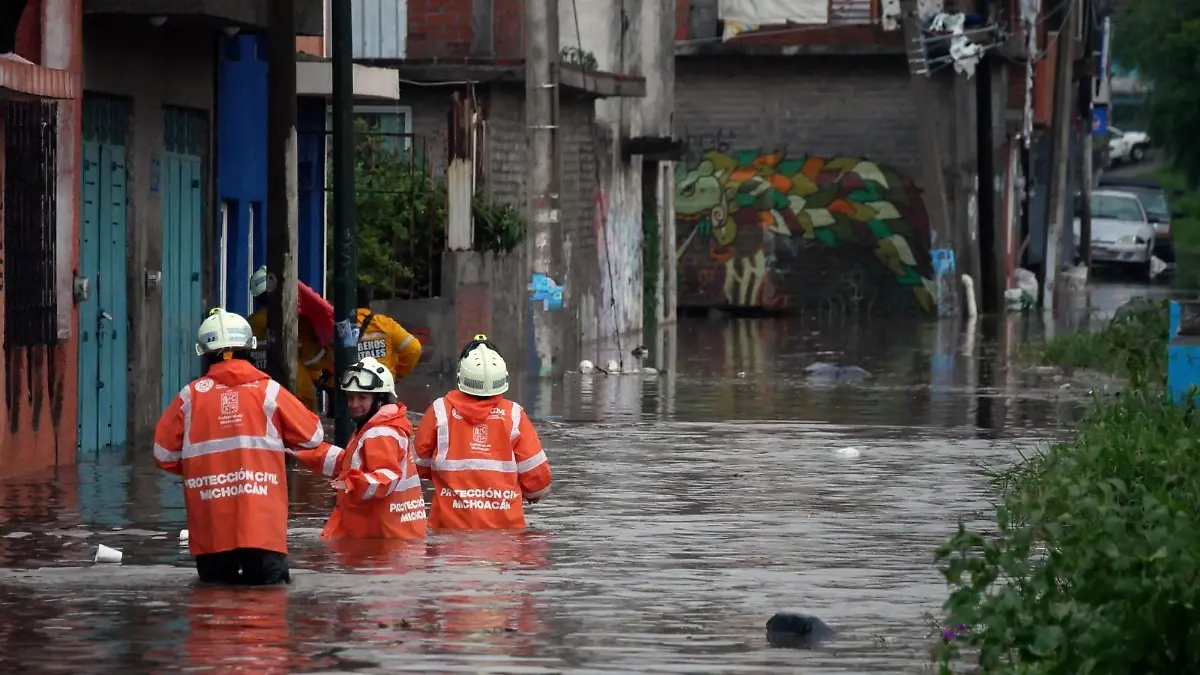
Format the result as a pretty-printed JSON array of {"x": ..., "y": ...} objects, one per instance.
[
  {"x": 479, "y": 339},
  {"x": 357, "y": 378}
]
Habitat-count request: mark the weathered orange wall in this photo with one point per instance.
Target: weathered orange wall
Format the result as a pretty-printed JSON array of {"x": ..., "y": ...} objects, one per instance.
[
  {"x": 39, "y": 407},
  {"x": 311, "y": 45}
]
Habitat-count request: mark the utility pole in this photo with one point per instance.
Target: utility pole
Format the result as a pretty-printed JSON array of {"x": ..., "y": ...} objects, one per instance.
[
  {"x": 345, "y": 274},
  {"x": 990, "y": 286},
  {"x": 928, "y": 115},
  {"x": 1059, "y": 154},
  {"x": 282, "y": 192},
  {"x": 1086, "y": 89},
  {"x": 541, "y": 107}
]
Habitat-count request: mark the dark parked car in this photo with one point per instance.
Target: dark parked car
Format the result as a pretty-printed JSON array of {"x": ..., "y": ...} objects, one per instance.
[{"x": 1158, "y": 207}]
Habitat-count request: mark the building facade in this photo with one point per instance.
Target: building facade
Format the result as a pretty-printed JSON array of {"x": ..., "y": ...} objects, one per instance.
[
  {"x": 471, "y": 59},
  {"x": 40, "y": 87},
  {"x": 150, "y": 241}
]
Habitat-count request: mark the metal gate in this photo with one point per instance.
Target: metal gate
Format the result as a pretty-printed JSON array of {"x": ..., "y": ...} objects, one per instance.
[
  {"x": 103, "y": 316},
  {"x": 183, "y": 212},
  {"x": 400, "y": 209}
]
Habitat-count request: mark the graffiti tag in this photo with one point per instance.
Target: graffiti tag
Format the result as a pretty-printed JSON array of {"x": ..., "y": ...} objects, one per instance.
[{"x": 698, "y": 143}]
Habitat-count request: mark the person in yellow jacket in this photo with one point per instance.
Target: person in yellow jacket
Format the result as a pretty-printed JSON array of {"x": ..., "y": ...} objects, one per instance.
[
  {"x": 382, "y": 338},
  {"x": 311, "y": 358}
]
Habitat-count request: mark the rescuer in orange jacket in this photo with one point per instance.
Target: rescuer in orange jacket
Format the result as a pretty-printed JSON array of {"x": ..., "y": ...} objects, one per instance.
[
  {"x": 379, "y": 491},
  {"x": 480, "y": 450},
  {"x": 226, "y": 434},
  {"x": 383, "y": 338}
]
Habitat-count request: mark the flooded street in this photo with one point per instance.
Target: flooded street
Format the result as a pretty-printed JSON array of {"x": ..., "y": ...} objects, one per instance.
[{"x": 687, "y": 509}]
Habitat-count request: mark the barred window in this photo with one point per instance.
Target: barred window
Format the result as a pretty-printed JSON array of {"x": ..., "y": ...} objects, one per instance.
[{"x": 30, "y": 214}]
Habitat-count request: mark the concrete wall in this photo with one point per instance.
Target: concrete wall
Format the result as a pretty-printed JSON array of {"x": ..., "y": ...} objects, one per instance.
[
  {"x": 483, "y": 293},
  {"x": 41, "y": 383},
  {"x": 155, "y": 67},
  {"x": 800, "y": 187},
  {"x": 632, "y": 38}
]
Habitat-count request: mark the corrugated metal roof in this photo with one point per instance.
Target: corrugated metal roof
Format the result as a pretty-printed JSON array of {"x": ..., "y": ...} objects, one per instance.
[{"x": 380, "y": 28}]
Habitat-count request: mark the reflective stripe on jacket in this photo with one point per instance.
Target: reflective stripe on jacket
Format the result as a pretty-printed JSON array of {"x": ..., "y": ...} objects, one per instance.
[
  {"x": 226, "y": 434},
  {"x": 384, "y": 491},
  {"x": 483, "y": 456},
  {"x": 386, "y": 340}
]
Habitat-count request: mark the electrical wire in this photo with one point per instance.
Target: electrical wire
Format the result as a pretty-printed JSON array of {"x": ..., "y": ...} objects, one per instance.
[{"x": 602, "y": 202}]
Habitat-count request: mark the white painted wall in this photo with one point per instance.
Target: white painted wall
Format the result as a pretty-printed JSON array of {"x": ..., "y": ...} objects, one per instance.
[{"x": 633, "y": 37}]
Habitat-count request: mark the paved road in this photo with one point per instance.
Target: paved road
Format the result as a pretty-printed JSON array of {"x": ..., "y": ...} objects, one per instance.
[{"x": 1152, "y": 162}]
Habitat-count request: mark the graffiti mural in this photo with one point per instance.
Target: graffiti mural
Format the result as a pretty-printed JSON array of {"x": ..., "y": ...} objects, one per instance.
[{"x": 772, "y": 231}]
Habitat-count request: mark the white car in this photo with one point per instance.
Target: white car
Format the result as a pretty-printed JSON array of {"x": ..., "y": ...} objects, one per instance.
[
  {"x": 1127, "y": 145},
  {"x": 1121, "y": 231}
]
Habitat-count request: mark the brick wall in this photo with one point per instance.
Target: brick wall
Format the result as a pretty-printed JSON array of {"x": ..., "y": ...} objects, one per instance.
[
  {"x": 508, "y": 29},
  {"x": 439, "y": 29},
  {"x": 506, "y": 153},
  {"x": 29, "y": 32},
  {"x": 842, "y": 228},
  {"x": 504, "y": 169},
  {"x": 580, "y": 190}
]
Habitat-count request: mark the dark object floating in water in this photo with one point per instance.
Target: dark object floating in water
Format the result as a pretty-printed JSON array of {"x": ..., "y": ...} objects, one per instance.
[
  {"x": 797, "y": 631},
  {"x": 836, "y": 371}
]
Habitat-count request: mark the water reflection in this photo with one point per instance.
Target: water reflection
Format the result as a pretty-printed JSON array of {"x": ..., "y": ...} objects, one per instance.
[{"x": 689, "y": 506}]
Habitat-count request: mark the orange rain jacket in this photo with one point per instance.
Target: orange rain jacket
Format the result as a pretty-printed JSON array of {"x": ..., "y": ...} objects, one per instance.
[
  {"x": 225, "y": 434},
  {"x": 483, "y": 456},
  {"x": 383, "y": 491},
  {"x": 386, "y": 340}
]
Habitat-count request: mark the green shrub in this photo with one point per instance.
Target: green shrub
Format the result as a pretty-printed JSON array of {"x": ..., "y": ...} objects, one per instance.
[
  {"x": 400, "y": 215},
  {"x": 1133, "y": 345},
  {"x": 1095, "y": 556}
]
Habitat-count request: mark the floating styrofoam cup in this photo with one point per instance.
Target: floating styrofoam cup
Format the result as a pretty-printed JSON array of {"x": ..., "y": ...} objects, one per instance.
[
  {"x": 183, "y": 537},
  {"x": 105, "y": 554}
]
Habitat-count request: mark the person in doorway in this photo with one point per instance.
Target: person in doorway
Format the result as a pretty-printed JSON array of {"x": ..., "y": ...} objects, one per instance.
[
  {"x": 225, "y": 434},
  {"x": 480, "y": 450},
  {"x": 312, "y": 360},
  {"x": 383, "y": 338},
  {"x": 379, "y": 491}
]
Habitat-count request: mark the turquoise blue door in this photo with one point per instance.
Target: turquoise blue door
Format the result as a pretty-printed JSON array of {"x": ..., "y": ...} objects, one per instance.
[
  {"x": 103, "y": 316},
  {"x": 183, "y": 211}
]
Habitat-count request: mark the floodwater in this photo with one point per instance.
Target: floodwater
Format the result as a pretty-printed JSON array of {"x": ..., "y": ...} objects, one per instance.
[{"x": 688, "y": 508}]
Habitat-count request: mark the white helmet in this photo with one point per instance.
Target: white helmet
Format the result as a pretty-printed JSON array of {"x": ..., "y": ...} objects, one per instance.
[
  {"x": 481, "y": 370},
  {"x": 369, "y": 376},
  {"x": 258, "y": 282},
  {"x": 224, "y": 331}
]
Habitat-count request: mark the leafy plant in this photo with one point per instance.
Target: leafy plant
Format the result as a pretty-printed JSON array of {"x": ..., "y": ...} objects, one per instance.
[
  {"x": 1095, "y": 553},
  {"x": 400, "y": 218},
  {"x": 499, "y": 228},
  {"x": 1133, "y": 345},
  {"x": 579, "y": 57}
]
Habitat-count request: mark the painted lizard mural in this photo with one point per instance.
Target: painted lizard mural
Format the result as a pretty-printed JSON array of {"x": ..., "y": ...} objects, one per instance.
[{"x": 787, "y": 232}]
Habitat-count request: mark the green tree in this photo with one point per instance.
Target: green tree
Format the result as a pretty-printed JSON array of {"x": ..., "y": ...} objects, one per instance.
[
  {"x": 1161, "y": 39},
  {"x": 400, "y": 216}
]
